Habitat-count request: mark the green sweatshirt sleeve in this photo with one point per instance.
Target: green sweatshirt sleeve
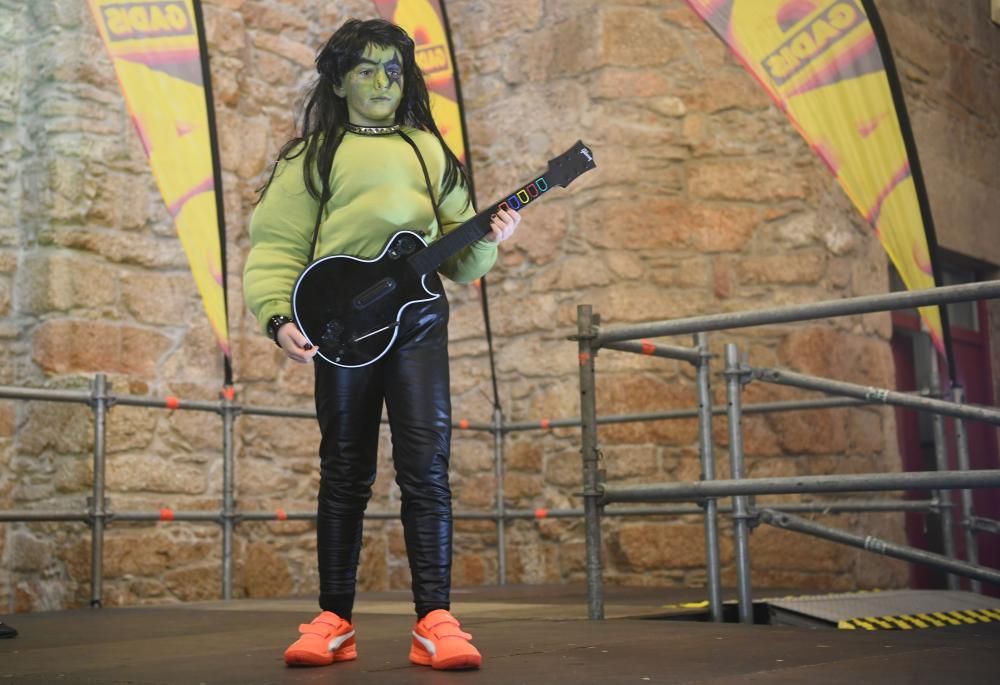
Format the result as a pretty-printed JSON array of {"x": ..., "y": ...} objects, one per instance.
[
  {"x": 280, "y": 236},
  {"x": 473, "y": 261},
  {"x": 478, "y": 258}
]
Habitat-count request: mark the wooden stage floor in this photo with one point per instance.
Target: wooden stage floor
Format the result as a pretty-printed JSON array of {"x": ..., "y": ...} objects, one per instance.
[{"x": 528, "y": 634}]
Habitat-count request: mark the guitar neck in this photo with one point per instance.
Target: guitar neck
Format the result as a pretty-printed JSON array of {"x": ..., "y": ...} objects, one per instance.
[{"x": 434, "y": 255}]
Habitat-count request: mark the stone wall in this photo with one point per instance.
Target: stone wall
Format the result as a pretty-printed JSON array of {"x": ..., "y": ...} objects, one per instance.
[{"x": 705, "y": 200}]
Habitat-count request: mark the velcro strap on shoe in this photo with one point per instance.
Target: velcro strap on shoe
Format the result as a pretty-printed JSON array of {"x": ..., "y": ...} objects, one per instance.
[
  {"x": 310, "y": 629},
  {"x": 447, "y": 628},
  {"x": 317, "y": 627}
]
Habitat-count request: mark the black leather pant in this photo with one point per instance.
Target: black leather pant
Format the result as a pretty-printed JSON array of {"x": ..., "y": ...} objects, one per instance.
[{"x": 412, "y": 380}]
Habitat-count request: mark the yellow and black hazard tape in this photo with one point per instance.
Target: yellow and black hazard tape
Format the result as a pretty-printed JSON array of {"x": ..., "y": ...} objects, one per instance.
[
  {"x": 933, "y": 619},
  {"x": 687, "y": 605}
]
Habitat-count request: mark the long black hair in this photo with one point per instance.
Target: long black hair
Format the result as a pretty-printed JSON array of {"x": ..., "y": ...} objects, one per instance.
[{"x": 325, "y": 113}]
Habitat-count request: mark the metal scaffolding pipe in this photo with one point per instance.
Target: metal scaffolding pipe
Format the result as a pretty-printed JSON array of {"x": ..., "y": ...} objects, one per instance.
[
  {"x": 707, "y": 458},
  {"x": 735, "y": 376},
  {"x": 782, "y": 485},
  {"x": 945, "y": 519},
  {"x": 590, "y": 452},
  {"x": 311, "y": 414},
  {"x": 311, "y": 516},
  {"x": 98, "y": 514},
  {"x": 279, "y": 412},
  {"x": 20, "y": 515},
  {"x": 985, "y": 525},
  {"x": 804, "y": 312},
  {"x": 968, "y": 513},
  {"x": 899, "y": 399},
  {"x": 684, "y": 354},
  {"x": 717, "y": 410},
  {"x": 161, "y": 516},
  {"x": 9, "y": 392},
  {"x": 172, "y": 403},
  {"x": 195, "y": 516},
  {"x": 879, "y": 546},
  {"x": 832, "y": 507}
]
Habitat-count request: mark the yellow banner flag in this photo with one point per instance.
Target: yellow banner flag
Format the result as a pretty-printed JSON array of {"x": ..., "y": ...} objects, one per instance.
[
  {"x": 155, "y": 48},
  {"x": 821, "y": 63}
]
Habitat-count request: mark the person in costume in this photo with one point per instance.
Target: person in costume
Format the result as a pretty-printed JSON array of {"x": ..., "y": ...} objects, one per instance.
[{"x": 369, "y": 161}]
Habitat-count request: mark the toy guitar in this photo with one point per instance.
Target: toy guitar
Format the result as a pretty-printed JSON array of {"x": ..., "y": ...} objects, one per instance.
[{"x": 350, "y": 307}]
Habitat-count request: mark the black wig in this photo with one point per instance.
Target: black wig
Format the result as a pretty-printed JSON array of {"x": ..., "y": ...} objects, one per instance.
[{"x": 325, "y": 113}]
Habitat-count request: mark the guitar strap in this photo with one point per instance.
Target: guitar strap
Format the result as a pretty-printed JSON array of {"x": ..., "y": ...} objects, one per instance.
[
  {"x": 427, "y": 177},
  {"x": 319, "y": 219},
  {"x": 427, "y": 182}
]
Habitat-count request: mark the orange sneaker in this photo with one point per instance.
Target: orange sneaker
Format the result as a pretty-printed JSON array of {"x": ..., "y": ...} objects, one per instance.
[
  {"x": 327, "y": 639},
  {"x": 439, "y": 642}
]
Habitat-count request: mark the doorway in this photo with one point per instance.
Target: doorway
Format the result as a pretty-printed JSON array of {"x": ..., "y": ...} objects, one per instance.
[{"x": 912, "y": 350}]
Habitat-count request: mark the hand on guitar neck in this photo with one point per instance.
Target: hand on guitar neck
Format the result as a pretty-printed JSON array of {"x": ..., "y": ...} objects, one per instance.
[
  {"x": 502, "y": 225},
  {"x": 296, "y": 347}
]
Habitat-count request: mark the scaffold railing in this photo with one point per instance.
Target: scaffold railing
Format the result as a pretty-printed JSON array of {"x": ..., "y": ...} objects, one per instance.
[
  {"x": 638, "y": 339},
  {"x": 97, "y": 512},
  {"x": 98, "y": 517}
]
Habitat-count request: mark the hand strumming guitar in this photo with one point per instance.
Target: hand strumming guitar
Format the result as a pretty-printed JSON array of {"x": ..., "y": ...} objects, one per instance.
[{"x": 294, "y": 344}]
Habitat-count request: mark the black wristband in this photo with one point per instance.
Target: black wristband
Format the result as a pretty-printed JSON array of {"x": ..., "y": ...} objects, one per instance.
[{"x": 274, "y": 323}]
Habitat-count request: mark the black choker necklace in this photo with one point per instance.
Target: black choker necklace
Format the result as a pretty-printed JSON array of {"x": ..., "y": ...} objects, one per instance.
[{"x": 371, "y": 130}]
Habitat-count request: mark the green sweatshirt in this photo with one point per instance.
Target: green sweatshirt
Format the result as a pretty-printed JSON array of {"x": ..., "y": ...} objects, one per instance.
[{"x": 377, "y": 189}]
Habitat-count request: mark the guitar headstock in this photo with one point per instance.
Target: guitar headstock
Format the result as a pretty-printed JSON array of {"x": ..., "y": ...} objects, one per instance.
[{"x": 565, "y": 168}]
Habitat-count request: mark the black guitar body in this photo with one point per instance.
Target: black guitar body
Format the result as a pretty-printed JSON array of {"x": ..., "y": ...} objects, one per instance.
[{"x": 350, "y": 307}]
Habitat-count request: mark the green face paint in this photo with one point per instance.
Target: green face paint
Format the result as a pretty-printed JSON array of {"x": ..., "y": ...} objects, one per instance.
[{"x": 374, "y": 87}]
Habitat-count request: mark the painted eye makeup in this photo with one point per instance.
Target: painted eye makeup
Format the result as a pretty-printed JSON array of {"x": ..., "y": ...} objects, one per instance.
[{"x": 394, "y": 69}]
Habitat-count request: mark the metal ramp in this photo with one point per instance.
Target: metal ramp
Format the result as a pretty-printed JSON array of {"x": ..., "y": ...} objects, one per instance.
[
  {"x": 886, "y": 610},
  {"x": 868, "y": 610}
]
